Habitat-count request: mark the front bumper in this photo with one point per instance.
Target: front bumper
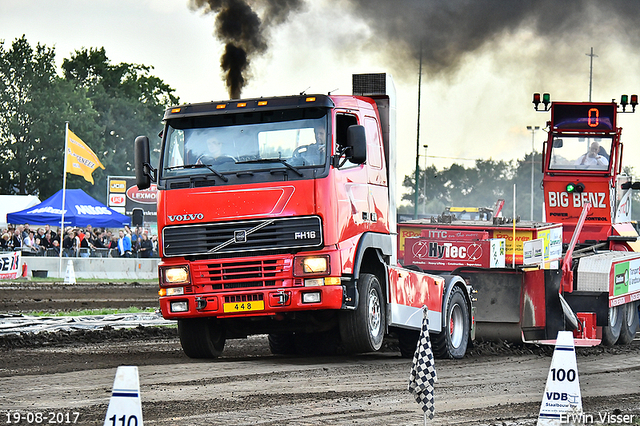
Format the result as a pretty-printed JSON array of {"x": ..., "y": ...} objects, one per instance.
[{"x": 252, "y": 302}]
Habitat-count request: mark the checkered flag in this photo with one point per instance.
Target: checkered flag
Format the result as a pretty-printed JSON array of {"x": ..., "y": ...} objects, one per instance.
[{"x": 423, "y": 371}]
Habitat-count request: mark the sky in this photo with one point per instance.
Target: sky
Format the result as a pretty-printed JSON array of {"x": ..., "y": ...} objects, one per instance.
[{"x": 483, "y": 59}]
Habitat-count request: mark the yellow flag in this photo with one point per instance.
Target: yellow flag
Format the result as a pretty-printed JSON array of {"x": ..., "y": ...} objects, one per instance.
[{"x": 80, "y": 160}]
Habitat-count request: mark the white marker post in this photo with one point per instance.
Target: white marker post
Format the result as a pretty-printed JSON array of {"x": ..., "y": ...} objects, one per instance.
[
  {"x": 562, "y": 401},
  {"x": 125, "y": 406}
]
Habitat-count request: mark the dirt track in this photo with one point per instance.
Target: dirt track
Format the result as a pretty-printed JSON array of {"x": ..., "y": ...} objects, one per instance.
[{"x": 494, "y": 385}]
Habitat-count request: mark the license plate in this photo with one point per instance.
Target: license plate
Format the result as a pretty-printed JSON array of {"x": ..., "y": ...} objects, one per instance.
[{"x": 255, "y": 305}]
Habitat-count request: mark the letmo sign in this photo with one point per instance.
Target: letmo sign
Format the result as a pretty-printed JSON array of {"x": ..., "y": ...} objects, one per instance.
[{"x": 145, "y": 196}]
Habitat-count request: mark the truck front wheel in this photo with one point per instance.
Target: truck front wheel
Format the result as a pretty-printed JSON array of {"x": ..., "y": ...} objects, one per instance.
[
  {"x": 452, "y": 341},
  {"x": 201, "y": 337},
  {"x": 362, "y": 330},
  {"x": 629, "y": 325}
]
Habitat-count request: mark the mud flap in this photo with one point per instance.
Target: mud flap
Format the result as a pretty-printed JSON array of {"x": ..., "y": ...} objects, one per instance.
[{"x": 497, "y": 308}]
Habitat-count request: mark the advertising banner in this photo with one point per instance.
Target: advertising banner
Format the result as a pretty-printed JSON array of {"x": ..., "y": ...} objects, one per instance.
[
  {"x": 446, "y": 255},
  {"x": 124, "y": 196},
  {"x": 626, "y": 282},
  {"x": 10, "y": 265}
]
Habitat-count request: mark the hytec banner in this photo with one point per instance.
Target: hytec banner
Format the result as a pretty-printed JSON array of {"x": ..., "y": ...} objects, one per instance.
[{"x": 10, "y": 265}]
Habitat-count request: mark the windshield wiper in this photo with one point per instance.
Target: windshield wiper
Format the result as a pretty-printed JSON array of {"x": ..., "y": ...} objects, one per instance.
[
  {"x": 199, "y": 166},
  {"x": 272, "y": 160}
]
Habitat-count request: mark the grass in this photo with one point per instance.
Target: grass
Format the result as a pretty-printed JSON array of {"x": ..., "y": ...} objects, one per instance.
[
  {"x": 86, "y": 312},
  {"x": 88, "y": 280}
]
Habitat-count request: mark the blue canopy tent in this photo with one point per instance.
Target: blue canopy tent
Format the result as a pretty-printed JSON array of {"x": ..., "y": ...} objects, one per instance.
[{"x": 80, "y": 210}]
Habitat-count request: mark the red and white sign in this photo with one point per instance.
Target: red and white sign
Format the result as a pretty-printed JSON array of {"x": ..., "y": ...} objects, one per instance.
[
  {"x": 446, "y": 255},
  {"x": 10, "y": 265},
  {"x": 145, "y": 196},
  {"x": 117, "y": 200}
]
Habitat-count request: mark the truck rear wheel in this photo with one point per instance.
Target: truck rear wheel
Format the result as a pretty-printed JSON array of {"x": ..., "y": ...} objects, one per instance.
[
  {"x": 452, "y": 341},
  {"x": 282, "y": 344},
  {"x": 611, "y": 332},
  {"x": 407, "y": 342},
  {"x": 363, "y": 330},
  {"x": 201, "y": 337},
  {"x": 629, "y": 324}
]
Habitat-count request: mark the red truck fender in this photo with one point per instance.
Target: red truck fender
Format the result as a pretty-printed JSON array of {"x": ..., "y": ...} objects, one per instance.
[{"x": 371, "y": 250}]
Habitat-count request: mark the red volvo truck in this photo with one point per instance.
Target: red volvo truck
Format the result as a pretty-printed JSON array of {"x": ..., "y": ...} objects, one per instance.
[
  {"x": 579, "y": 269},
  {"x": 277, "y": 216}
]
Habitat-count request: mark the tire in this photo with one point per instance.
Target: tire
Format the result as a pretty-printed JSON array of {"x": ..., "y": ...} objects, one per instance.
[
  {"x": 452, "y": 341},
  {"x": 321, "y": 343},
  {"x": 629, "y": 325},
  {"x": 282, "y": 344},
  {"x": 407, "y": 342},
  {"x": 611, "y": 332},
  {"x": 363, "y": 330},
  {"x": 201, "y": 337}
]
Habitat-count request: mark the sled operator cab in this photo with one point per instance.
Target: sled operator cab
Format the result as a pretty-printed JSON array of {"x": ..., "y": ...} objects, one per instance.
[{"x": 582, "y": 163}]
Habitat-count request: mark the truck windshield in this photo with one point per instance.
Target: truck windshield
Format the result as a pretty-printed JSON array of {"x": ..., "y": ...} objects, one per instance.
[
  {"x": 291, "y": 140},
  {"x": 573, "y": 152}
]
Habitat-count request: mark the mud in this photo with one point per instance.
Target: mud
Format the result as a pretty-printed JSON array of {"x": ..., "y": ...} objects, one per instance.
[{"x": 495, "y": 384}]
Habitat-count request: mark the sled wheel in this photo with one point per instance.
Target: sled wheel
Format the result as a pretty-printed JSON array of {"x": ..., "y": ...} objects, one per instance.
[
  {"x": 452, "y": 341},
  {"x": 201, "y": 337},
  {"x": 362, "y": 330},
  {"x": 629, "y": 325},
  {"x": 611, "y": 332}
]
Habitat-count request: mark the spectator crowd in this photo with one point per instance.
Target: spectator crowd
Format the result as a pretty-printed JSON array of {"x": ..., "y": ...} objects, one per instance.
[{"x": 79, "y": 242}]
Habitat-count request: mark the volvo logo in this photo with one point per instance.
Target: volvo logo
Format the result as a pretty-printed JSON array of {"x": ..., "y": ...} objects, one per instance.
[
  {"x": 240, "y": 236},
  {"x": 185, "y": 217}
]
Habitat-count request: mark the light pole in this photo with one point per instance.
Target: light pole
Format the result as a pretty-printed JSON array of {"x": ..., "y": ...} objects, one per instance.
[
  {"x": 532, "y": 129},
  {"x": 424, "y": 204}
]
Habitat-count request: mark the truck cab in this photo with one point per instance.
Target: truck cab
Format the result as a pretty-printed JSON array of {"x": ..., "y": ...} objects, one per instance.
[{"x": 277, "y": 216}]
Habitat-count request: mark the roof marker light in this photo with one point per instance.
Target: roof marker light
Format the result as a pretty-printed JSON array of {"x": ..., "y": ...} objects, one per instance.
[
  {"x": 262, "y": 103},
  {"x": 221, "y": 106},
  {"x": 536, "y": 100}
]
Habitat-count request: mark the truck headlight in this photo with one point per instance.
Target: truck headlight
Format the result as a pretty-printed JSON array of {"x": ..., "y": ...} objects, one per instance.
[
  {"x": 176, "y": 275},
  {"x": 311, "y": 265},
  {"x": 179, "y": 306}
]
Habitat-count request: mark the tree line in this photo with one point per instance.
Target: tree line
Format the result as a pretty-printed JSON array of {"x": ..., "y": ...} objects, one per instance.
[
  {"x": 107, "y": 105},
  {"x": 482, "y": 185},
  {"x": 478, "y": 186}
]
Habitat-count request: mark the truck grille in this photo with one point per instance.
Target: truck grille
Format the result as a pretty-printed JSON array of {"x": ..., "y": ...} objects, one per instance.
[
  {"x": 242, "y": 236},
  {"x": 233, "y": 274}
]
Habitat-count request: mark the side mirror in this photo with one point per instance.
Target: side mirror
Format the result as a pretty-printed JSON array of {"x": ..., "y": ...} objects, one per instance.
[
  {"x": 557, "y": 143},
  {"x": 357, "y": 141},
  {"x": 143, "y": 168}
]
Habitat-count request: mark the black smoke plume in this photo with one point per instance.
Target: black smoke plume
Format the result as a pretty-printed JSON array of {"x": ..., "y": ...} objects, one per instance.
[
  {"x": 447, "y": 30},
  {"x": 240, "y": 27}
]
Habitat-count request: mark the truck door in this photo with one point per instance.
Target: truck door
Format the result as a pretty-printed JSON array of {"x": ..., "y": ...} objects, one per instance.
[
  {"x": 378, "y": 195},
  {"x": 351, "y": 184}
]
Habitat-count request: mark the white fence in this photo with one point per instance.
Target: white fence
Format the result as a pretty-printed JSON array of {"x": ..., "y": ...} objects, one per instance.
[{"x": 93, "y": 267}]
